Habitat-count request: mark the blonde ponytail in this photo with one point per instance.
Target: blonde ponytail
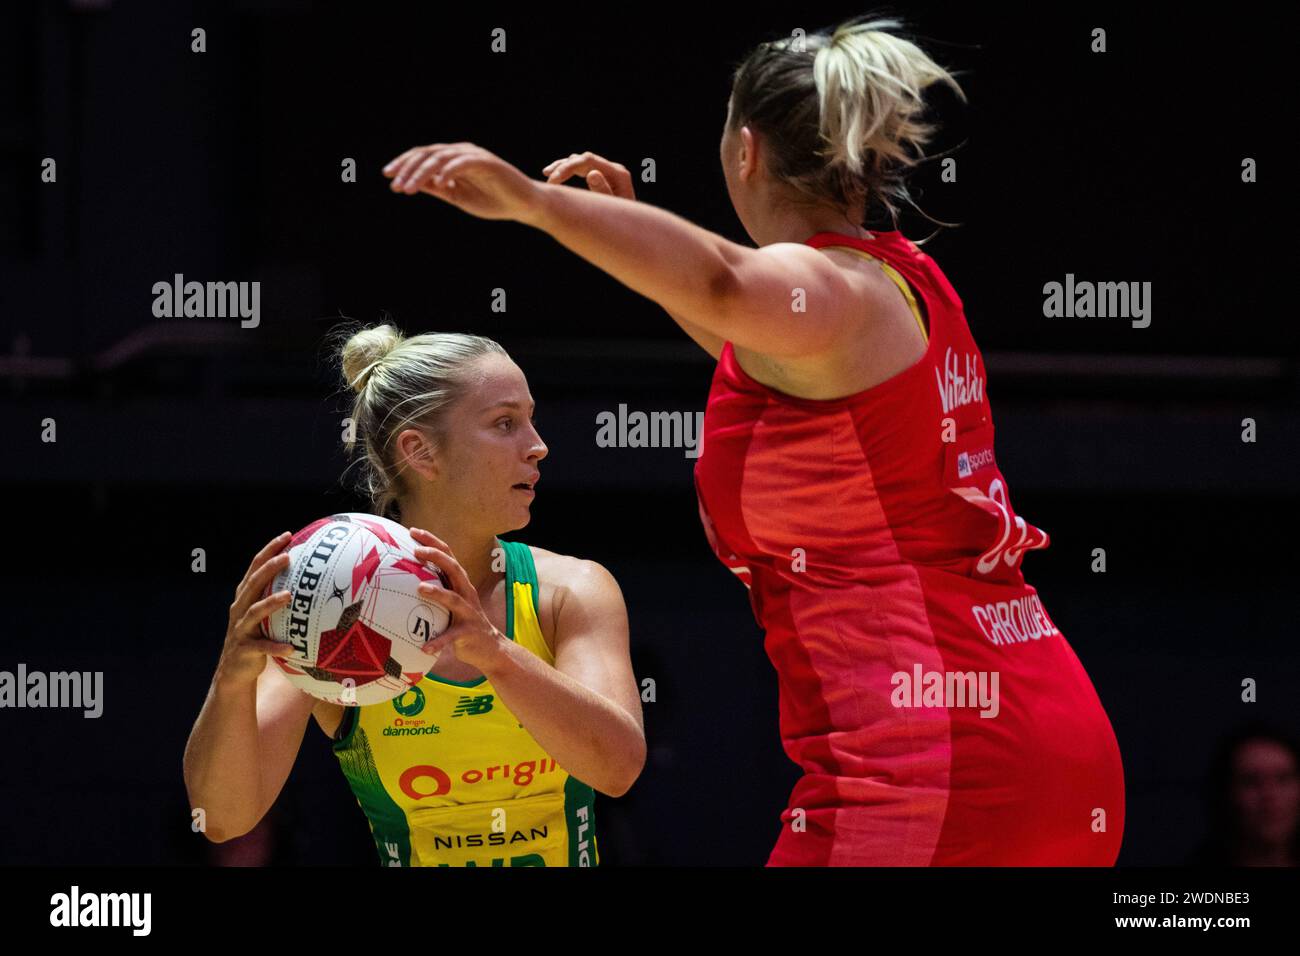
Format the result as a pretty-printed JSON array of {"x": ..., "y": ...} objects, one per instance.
[{"x": 841, "y": 110}]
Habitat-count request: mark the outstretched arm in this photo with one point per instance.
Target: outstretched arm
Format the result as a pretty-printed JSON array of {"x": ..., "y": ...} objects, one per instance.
[{"x": 784, "y": 300}]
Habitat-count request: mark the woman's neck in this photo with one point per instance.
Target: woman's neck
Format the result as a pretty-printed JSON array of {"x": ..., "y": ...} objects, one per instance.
[{"x": 474, "y": 549}]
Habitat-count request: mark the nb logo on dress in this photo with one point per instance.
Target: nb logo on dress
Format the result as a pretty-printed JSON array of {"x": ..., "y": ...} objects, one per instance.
[{"x": 472, "y": 706}]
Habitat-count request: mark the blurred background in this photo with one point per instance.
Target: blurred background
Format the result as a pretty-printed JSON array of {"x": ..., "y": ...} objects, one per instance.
[{"x": 175, "y": 434}]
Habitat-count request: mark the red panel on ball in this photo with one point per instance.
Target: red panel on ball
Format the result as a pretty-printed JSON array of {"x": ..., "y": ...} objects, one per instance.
[{"x": 358, "y": 652}]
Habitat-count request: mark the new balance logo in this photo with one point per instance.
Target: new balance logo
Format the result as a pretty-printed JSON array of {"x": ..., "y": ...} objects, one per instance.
[{"x": 469, "y": 706}]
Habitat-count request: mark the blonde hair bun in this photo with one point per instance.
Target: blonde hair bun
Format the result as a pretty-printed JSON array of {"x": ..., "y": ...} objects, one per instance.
[{"x": 364, "y": 350}]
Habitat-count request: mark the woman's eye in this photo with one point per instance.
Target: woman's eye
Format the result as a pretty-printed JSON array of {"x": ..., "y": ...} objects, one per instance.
[{"x": 508, "y": 423}]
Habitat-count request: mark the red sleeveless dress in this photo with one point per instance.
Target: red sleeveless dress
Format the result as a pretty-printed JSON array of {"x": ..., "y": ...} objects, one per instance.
[{"x": 939, "y": 716}]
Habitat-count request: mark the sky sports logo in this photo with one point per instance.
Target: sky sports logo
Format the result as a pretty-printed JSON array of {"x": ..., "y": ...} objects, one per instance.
[{"x": 970, "y": 462}]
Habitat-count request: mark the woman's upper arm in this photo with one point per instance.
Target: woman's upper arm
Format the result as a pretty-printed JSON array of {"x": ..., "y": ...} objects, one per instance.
[
  {"x": 786, "y": 300},
  {"x": 591, "y": 637}
]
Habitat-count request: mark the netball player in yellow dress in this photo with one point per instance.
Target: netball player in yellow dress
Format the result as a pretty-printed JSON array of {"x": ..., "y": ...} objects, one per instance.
[{"x": 529, "y": 704}]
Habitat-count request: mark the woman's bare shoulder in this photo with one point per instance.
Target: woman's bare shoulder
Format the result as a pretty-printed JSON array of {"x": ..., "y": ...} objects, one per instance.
[
  {"x": 552, "y": 565},
  {"x": 566, "y": 570},
  {"x": 559, "y": 578}
]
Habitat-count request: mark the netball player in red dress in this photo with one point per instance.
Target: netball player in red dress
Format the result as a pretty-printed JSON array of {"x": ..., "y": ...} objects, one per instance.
[{"x": 848, "y": 475}]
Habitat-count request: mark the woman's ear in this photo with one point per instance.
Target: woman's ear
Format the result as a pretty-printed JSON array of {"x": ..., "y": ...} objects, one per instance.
[
  {"x": 415, "y": 451},
  {"x": 748, "y": 158}
]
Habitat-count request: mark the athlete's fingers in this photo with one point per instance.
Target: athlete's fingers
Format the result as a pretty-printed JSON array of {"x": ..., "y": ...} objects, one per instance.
[
  {"x": 396, "y": 162},
  {"x": 444, "y": 559},
  {"x": 449, "y": 601},
  {"x": 554, "y": 164},
  {"x": 432, "y": 170},
  {"x": 564, "y": 168},
  {"x": 463, "y": 155},
  {"x": 434, "y": 646},
  {"x": 443, "y": 176},
  {"x": 615, "y": 175},
  {"x": 394, "y": 169},
  {"x": 250, "y": 622},
  {"x": 412, "y": 179},
  {"x": 274, "y": 648},
  {"x": 408, "y": 165},
  {"x": 272, "y": 546},
  {"x": 390, "y": 169},
  {"x": 257, "y": 585},
  {"x": 582, "y": 163},
  {"x": 430, "y": 538},
  {"x": 450, "y": 634},
  {"x": 460, "y": 584},
  {"x": 619, "y": 178},
  {"x": 416, "y": 170},
  {"x": 404, "y": 165},
  {"x": 597, "y": 182},
  {"x": 546, "y": 170}
]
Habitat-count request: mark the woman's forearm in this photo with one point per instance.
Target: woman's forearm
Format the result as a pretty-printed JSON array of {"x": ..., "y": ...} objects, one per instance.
[
  {"x": 684, "y": 268},
  {"x": 591, "y": 737}
]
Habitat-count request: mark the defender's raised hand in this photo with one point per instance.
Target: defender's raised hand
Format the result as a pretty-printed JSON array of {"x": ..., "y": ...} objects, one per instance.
[
  {"x": 469, "y": 177},
  {"x": 602, "y": 175}
]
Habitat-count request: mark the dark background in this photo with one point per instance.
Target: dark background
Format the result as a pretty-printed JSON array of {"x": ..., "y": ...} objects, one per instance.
[{"x": 183, "y": 433}]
